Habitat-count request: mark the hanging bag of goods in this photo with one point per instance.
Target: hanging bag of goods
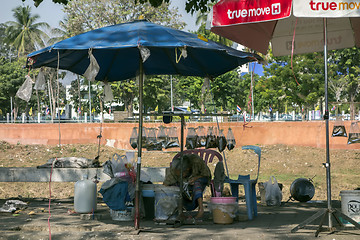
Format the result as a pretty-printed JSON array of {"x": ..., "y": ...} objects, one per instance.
[
  {"x": 134, "y": 138},
  {"x": 339, "y": 128},
  {"x": 221, "y": 140},
  {"x": 211, "y": 138},
  {"x": 201, "y": 137},
  {"x": 161, "y": 136},
  {"x": 151, "y": 141},
  {"x": 191, "y": 138},
  {"x": 354, "y": 133},
  {"x": 172, "y": 140},
  {"x": 230, "y": 139}
]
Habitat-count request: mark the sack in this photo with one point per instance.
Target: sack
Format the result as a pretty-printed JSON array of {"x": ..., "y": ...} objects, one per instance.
[{"x": 273, "y": 194}]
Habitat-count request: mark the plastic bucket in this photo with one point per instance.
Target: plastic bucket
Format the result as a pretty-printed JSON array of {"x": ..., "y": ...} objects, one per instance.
[
  {"x": 223, "y": 209},
  {"x": 350, "y": 205},
  {"x": 166, "y": 202},
  {"x": 148, "y": 195}
]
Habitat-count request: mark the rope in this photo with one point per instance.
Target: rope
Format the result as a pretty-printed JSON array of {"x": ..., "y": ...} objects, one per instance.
[
  {"x": 58, "y": 95},
  {"x": 292, "y": 53},
  {"x": 218, "y": 127},
  {"x": 52, "y": 166}
]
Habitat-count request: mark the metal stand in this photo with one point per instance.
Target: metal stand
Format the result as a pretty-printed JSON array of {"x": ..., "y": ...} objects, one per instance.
[{"x": 330, "y": 212}]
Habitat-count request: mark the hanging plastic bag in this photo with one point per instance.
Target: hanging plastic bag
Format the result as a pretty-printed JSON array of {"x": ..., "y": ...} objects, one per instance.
[
  {"x": 25, "y": 90},
  {"x": 230, "y": 139},
  {"x": 354, "y": 133},
  {"x": 40, "y": 81},
  {"x": 134, "y": 138},
  {"x": 161, "y": 136},
  {"x": 108, "y": 92},
  {"x": 273, "y": 194},
  {"x": 201, "y": 137},
  {"x": 211, "y": 138},
  {"x": 144, "y": 142},
  {"x": 339, "y": 128},
  {"x": 93, "y": 68},
  {"x": 151, "y": 140},
  {"x": 190, "y": 138},
  {"x": 172, "y": 139},
  {"x": 221, "y": 140}
]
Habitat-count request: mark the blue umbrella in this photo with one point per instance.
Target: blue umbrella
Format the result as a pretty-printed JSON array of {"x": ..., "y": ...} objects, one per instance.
[
  {"x": 140, "y": 47},
  {"x": 117, "y": 51}
]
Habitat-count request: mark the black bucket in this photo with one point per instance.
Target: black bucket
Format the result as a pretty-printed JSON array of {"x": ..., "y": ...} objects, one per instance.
[{"x": 302, "y": 190}]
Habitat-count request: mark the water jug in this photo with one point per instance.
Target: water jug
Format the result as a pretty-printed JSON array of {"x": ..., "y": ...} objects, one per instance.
[{"x": 85, "y": 196}]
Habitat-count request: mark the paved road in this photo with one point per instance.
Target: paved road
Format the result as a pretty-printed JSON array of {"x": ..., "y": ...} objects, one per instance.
[{"x": 271, "y": 223}]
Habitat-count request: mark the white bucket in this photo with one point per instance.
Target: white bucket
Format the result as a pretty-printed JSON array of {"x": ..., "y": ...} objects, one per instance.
[{"x": 350, "y": 204}]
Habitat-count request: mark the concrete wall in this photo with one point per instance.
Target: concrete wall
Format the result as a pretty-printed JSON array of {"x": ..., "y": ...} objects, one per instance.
[{"x": 310, "y": 133}]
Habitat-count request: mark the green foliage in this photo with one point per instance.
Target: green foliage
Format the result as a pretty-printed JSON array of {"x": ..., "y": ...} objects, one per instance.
[
  {"x": 86, "y": 15},
  {"x": 295, "y": 85},
  {"x": 24, "y": 33},
  {"x": 12, "y": 76}
]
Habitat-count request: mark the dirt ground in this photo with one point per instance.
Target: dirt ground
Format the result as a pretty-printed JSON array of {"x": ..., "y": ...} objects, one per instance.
[{"x": 286, "y": 163}]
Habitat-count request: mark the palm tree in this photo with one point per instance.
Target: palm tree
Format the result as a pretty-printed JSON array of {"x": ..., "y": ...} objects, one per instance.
[{"x": 24, "y": 33}]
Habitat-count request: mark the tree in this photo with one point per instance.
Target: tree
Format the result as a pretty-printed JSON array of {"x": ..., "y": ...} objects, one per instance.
[
  {"x": 12, "y": 76},
  {"x": 345, "y": 67},
  {"x": 300, "y": 86},
  {"x": 86, "y": 15},
  {"x": 24, "y": 33},
  {"x": 191, "y": 5}
]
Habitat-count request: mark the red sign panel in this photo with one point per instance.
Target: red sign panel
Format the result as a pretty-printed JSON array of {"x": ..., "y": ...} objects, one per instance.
[{"x": 229, "y": 12}]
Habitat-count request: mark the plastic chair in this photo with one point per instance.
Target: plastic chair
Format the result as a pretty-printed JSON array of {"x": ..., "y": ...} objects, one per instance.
[
  {"x": 208, "y": 155},
  {"x": 249, "y": 186}
]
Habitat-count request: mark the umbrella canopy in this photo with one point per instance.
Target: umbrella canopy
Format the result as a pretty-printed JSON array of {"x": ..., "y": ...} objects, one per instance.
[
  {"x": 255, "y": 24},
  {"x": 117, "y": 51}
]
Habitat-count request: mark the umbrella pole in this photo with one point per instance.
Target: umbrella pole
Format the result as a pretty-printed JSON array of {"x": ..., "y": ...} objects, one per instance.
[
  {"x": 330, "y": 212},
  {"x": 138, "y": 166}
]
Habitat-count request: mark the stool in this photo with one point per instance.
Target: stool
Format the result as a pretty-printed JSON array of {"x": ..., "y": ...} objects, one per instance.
[{"x": 249, "y": 186}]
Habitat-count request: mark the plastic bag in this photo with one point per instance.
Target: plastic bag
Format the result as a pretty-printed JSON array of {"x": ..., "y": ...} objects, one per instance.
[
  {"x": 339, "y": 128},
  {"x": 191, "y": 138},
  {"x": 108, "y": 92},
  {"x": 134, "y": 138},
  {"x": 151, "y": 141},
  {"x": 201, "y": 137},
  {"x": 144, "y": 143},
  {"x": 221, "y": 141},
  {"x": 40, "y": 82},
  {"x": 161, "y": 136},
  {"x": 211, "y": 138},
  {"x": 354, "y": 133},
  {"x": 172, "y": 140},
  {"x": 230, "y": 139},
  {"x": 273, "y": 194},
  {"x": 25, "y": 90},
  {"x": 93, "y": 68}
]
